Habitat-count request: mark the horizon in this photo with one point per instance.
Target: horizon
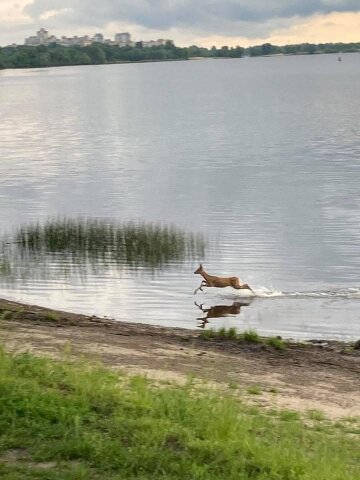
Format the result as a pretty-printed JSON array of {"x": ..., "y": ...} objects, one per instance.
[{"x": 204, "y": 24}]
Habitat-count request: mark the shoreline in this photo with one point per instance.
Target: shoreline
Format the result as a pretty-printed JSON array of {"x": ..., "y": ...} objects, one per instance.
[
  {"x": 126, "y": 62},
  {"x": 27, "y": 311},
  {"x": 304, "y": 375}
]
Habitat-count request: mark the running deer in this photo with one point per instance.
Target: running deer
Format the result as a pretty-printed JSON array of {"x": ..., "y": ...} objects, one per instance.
[{"x": 219, "y": 282}]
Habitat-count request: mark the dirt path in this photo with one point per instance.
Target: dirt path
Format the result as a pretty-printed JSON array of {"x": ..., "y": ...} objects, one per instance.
[{"x": 302, "y": 377}]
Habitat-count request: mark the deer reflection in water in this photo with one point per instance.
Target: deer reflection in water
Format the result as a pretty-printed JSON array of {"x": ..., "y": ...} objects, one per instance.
[{"x": 217, "y": 311}]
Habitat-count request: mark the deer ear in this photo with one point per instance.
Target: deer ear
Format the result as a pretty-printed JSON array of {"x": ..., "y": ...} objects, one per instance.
[{"x": 200, "y": 265}]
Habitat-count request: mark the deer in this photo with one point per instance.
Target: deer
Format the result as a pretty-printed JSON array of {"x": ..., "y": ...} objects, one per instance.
[{"x": 219, "y": 282}]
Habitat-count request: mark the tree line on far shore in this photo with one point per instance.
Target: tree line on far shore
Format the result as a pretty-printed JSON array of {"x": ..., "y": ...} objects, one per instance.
[{"x": 23, "y": 56}]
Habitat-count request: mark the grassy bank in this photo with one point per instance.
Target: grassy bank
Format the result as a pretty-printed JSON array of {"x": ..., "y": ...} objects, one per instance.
[{"x": 60, "y": 420}]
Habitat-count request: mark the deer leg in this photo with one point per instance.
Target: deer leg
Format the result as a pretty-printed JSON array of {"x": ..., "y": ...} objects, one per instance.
[
  {"x": 203, "y": 321},
  {"x": 202, "y": 284},
  {"x": 199, "y": 306}
]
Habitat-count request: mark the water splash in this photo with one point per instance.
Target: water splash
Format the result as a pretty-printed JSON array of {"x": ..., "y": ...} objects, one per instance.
[
  {"x": 264, "y": 292},
  {"x": 351, "y": 293}
]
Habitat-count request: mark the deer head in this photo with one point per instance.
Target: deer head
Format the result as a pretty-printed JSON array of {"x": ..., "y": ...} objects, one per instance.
[{"x": 199, "y": 270}]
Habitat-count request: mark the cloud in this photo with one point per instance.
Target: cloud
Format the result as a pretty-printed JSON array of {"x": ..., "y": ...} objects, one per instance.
[
  {"x": 333, "y": 27},
  {"x": 186, "y": 21},
  {"x": 12, "y": 13},
  {"x": 201, "y": 14}
]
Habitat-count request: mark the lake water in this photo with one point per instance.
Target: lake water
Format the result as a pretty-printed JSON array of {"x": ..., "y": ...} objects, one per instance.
[{"x": 116, "y": 180}]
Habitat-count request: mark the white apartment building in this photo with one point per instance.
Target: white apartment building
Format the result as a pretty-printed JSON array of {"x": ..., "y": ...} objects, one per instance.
[
  {"x": 123, "y": 38},
  {"x": 69, "y": 41},
  {"x": 157, "y": 43},
  {"x": 42, "y": 37}
]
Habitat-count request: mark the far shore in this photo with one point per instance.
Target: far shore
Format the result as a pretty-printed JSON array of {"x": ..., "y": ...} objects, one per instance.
[
  {"x": 126, "y": 62},
  {"x": 304, "y": 375}
]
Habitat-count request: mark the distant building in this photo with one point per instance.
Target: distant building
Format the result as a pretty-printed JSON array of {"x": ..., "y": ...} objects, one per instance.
[
  {"x": 157, "y": 43},
  {"x": 98, "y": 38},
  {"x": 123, "y": 39},
  {"x": 69, "y": 41},
  {"x": 43, "y": 37},
  {"x": 32, "y": 41}
]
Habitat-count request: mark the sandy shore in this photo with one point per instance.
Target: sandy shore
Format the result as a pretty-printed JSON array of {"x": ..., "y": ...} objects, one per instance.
[{"x": 304, "y": 376}]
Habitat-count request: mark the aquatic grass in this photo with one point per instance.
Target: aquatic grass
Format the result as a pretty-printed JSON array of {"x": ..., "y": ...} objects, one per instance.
[
  {"x": 101, "y": 243},
  {"x": 80, "y": 421}
]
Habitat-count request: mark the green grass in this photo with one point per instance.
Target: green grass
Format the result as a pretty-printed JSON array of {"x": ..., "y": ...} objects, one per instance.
[
  {"x": 277, "y": 343},
  {"x": 317, "y": 415},
  {"x": 254, "y": 390},
  {"x": 208, "y": 334},
  {"x": 19, "y": 313},
  {"x": 231, "y": 334},
  {"x": 251, "y": 336},
  {"x": 51, "y": 317},
  {"x": 222, "y": 333},
  {"x": 65, "y": 421},
  {"x": 289, "y": 415},
  {"x": 6, "y": 315}
]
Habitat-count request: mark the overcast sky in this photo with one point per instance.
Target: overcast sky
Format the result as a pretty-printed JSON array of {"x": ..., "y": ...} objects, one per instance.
[{"x": 201, "y": 22}]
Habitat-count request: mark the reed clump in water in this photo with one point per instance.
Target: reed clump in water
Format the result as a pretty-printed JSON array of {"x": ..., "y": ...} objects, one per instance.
[{"x": 96, "y": 244}]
